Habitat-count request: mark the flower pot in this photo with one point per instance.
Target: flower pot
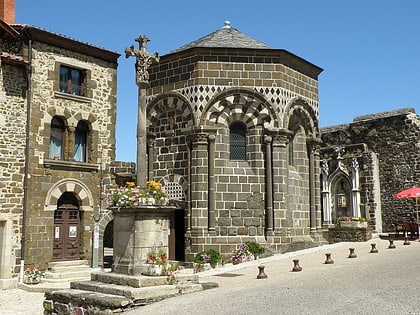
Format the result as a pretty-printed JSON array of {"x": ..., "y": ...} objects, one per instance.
[
  {"x": 31, "y": 280},
  {"x": 353, "y": 224},
  {"x": 152, "y": 270}
]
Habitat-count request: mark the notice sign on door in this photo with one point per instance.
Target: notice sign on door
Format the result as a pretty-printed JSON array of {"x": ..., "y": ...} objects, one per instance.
[
  {"x": 72, "y": 231},
  {"x": 57, "y": 232}
]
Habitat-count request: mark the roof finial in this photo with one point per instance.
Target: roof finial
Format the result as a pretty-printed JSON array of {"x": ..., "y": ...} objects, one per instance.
[{"x": 227, "y": 24}]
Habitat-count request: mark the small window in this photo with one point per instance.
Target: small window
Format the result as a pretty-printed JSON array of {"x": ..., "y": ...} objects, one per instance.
[
  {"x": 237, "y": 141},
  {"x": 57, "y": 138},
  {"x": 81, "y": 142},
  {"x": 72, "y": 81}
]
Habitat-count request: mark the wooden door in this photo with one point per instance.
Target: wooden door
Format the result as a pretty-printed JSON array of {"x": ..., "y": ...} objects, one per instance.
[{"x": 66, "y": 233}]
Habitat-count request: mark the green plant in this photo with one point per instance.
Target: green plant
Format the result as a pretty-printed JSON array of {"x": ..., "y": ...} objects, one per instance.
[
  {"x": 208, "y": 256},
  {"x": 255, "y": 248}
]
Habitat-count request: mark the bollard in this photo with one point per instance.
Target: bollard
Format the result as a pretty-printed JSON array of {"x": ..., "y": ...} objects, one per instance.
[
  {"x": 328, "y": 259},
  {"x": 391, "y": 244},
  {"x": 296, "y": 267},
  {"x": 374, "y": 249},
  {"x": 261, "y": 273},
  {"x": 352, "y": 253},
  {"x": 406, "y": 241}
]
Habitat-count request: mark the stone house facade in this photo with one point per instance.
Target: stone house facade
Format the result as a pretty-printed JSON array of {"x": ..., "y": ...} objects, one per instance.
[
  {"x": 366, "y": 162},
  {"x": 58, "y": 112},
  {"x": 233, "y": 134}
]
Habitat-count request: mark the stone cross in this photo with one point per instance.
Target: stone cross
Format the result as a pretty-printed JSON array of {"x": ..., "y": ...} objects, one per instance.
[{"x": 143, "y": 61}]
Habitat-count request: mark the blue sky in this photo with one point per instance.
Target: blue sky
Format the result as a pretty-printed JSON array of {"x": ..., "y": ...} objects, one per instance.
[{"x": 369, "y": 49}]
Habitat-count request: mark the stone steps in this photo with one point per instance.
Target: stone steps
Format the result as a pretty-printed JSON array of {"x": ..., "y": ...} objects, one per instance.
[
  {"x": 67, "y": 270},
  {"x": 110, "y": 292}
]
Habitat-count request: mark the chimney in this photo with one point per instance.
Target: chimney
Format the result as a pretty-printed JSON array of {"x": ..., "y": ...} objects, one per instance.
[{"x": 7, "y": 11}]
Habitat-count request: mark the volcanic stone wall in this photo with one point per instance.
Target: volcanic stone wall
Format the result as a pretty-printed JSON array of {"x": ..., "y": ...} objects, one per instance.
[{"x": 394, "y": 137}]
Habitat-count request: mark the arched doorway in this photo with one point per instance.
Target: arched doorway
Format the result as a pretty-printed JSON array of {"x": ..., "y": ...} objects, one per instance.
[{"x": 66, "y": 245}]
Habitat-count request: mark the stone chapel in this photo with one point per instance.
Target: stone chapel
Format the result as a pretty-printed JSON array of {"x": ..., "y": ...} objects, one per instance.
[{"x": 233, "y": 135}]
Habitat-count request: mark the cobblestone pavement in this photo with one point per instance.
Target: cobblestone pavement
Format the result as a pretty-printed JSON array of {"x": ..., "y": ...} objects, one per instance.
[{"x": 22, "y": 302}]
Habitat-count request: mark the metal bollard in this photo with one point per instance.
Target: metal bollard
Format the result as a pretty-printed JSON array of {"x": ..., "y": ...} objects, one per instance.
[
  {"x": 374, "y": 249},
  {"x": 352, "y": 253},
  {"x": 391, "y": 244},
  {"x": 261, "y": 273},
  {"x": 406, "y": 241},
  {"x": 296, "y": 267},
  {"x": 328, "y": 259}
]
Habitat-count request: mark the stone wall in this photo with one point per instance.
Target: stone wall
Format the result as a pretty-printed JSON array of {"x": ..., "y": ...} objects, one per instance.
[
  {"x": 194, "y": 98},
  {"x": 12, "y": 157},
  {"x": 49, "y": 179},
  {"x": 393, "y": 137}
]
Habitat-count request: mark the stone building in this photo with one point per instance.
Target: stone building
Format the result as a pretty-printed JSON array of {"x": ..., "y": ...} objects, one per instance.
[
  {"x": 233, "y": 134},
  {"x": 58, "y": 111},
  {"x": 366, "y": 162}
]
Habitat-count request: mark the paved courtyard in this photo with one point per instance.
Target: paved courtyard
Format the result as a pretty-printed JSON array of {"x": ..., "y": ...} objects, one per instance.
[{"x": 383, "y": 283}]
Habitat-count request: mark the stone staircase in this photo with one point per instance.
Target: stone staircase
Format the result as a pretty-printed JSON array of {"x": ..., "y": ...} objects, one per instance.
[
  {"x": 108, "y": 292},
  {"x": 68, "y": 270}
]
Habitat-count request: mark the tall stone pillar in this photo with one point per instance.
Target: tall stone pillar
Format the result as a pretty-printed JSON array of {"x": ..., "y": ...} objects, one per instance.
[
  {"x": 150, "y": 152},
  {"x": 269, "y": 186},
  {"x": 199, "y": 183},
  {"x": 280, "y": 177},
  {"x": 314, "y": 189},
  {"x": 212, "y": 185},
  {"x": 143, "y": 61}
]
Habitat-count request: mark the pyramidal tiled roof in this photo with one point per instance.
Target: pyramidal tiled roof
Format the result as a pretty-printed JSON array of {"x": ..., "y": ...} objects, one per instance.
[{"x": 225, "y": 37}]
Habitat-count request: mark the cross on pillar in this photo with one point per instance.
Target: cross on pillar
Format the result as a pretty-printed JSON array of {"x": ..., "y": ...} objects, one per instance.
[{"x": 143, "y": 61}]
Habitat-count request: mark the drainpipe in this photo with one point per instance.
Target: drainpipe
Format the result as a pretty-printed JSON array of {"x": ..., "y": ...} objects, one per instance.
[{"x": 27, "y": 142}]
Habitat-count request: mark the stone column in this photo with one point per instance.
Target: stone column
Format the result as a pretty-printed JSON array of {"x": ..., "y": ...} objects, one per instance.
[
  {"x": 355, "y": 191},
  {"x": 69, "y": 151},
  {"x": 280, "y": 177},
  {"x": 313, "y": 146},
  {"x": 199, "y": 182},
  {"x": 326, "y": 194},
  {"x": 150, "y": 154},
  {"x": 269, "y": 185},
  {"x": 212, "y": 185},
  {"x": 143, "y": 61}
]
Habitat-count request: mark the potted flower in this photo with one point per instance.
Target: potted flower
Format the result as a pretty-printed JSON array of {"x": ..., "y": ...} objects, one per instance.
[
  {"x": 156, "y": 262},
  {"x": 32, "y": 275},
  {"x": 241, "y": 254},
  {"x": 131, "y": 196},
  {"x": 207, "y": 259},
  {"x": 351, "y": 222}
]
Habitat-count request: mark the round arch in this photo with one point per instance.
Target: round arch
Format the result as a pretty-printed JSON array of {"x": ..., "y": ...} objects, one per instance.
[
  {"x": 80, "y": 190},
  {"x": 170, "y": 101},
  {"x": 299, "y": 112},
  {"x": 239, "y": 104}
]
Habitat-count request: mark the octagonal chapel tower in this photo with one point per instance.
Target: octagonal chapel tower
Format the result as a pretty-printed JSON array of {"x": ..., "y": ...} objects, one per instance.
[{"x": 233, "y": 134}]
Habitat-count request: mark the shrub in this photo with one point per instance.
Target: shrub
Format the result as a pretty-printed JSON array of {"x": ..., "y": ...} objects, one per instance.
[{"x": 255, "y": 248}]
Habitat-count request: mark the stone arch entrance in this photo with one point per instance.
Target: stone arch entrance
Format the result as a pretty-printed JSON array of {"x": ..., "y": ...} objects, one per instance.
[
  {"x": 66, "y": 242},
  {"x": 71, "y": 203}
]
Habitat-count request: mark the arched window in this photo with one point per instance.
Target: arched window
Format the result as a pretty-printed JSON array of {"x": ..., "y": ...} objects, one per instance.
[
  {"x": 57, "y": 138},
  {"x": 237, "y": 132},
  {"x": 81, "y": 142}
]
